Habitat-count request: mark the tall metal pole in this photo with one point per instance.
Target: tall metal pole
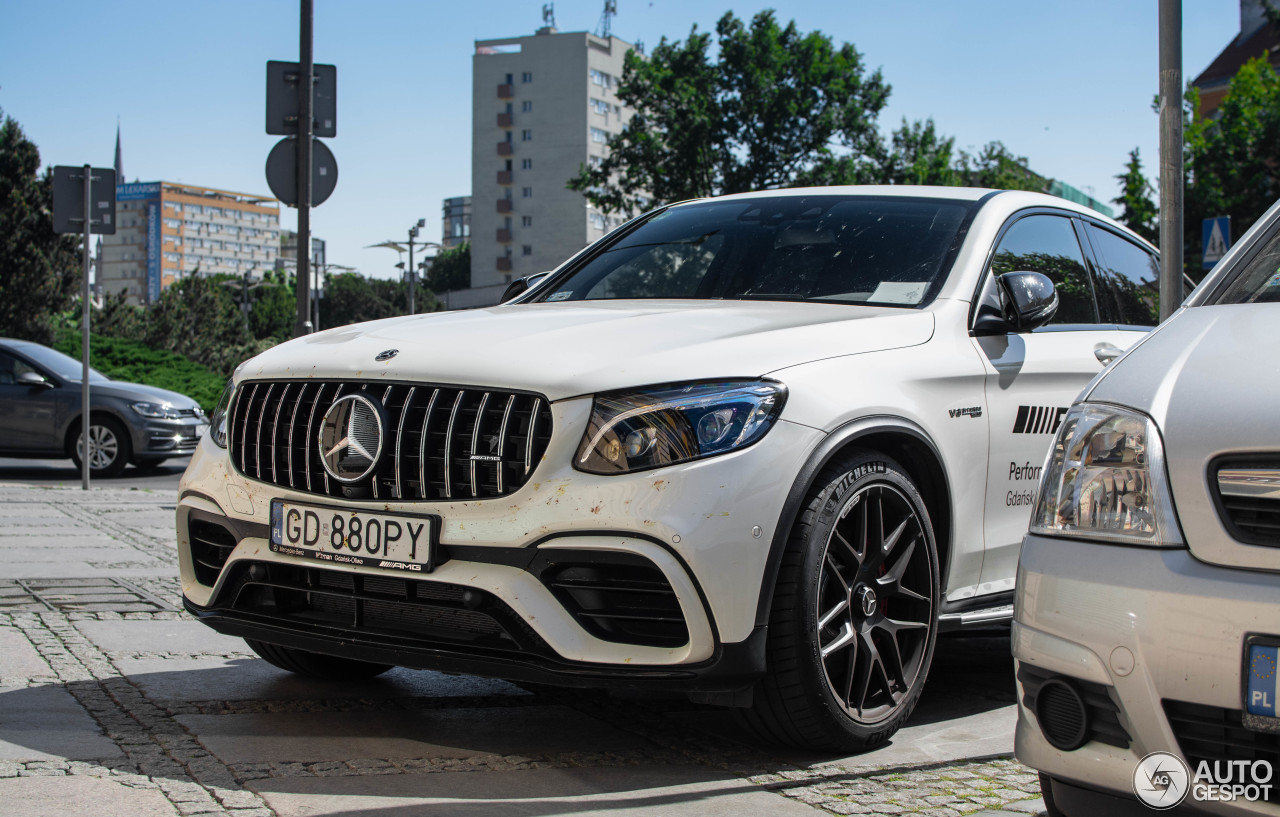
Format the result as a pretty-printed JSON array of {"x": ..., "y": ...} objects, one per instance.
[
  {"x": 1171, "y": 231},
  {"x": 84, "y": 339},
  {"x": 409, "y": 269},
  {"x": 306, "y": 124}
]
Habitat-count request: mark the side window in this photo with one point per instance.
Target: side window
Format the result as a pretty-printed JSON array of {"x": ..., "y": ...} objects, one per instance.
[
  {"x": 11, "y": 368},
  {"x": 1048, "y": 245},
  {"x": 1128, "y": 280}
]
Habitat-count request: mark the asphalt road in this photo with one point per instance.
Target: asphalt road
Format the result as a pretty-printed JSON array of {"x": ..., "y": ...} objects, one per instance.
[{"x": 63, "y": 473}]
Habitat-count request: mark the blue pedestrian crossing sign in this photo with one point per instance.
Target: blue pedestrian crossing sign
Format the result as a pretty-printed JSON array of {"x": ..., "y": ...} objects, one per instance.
[{"x": 1217, "y": 240}]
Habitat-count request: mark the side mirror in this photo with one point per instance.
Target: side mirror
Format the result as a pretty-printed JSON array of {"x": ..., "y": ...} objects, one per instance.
[
  {"x": 1029, "y": 299},
  {"x": 33, "y": 379},
  {"x": 520, "y": 286},
  {"x": 1015, "y": 302}
]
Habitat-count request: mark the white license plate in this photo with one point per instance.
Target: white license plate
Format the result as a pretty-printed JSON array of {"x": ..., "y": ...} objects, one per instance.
[{"x": 343, "y": 536}]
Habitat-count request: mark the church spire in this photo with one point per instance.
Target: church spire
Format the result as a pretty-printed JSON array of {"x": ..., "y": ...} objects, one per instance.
[{"x": 119, "y": 159}]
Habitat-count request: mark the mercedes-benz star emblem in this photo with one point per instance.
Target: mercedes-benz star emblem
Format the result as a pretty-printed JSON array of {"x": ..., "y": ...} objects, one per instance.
[
  {"x": 387, "y": 355},
  {"x": 351, "y": 438}
]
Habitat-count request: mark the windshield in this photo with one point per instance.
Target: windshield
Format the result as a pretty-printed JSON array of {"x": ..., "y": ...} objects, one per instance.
[
  {"x": 67, "y": 368},
  {"x": 890, "y": 251},
  {"x": 1259, "y": 281}
]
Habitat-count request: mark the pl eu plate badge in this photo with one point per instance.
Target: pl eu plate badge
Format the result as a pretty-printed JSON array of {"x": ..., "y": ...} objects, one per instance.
[{"x": 1261, "y": 689}]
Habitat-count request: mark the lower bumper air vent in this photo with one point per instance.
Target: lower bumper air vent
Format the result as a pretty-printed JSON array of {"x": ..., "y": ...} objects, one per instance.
[
  {"x": 211, "y": 546},
  {"x": 1215, "y": 734},
  {"x": 618, "y": 597}
]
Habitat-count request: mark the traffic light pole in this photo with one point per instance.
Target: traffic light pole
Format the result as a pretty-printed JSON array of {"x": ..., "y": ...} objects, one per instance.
[{"x": 306, "y": 124}]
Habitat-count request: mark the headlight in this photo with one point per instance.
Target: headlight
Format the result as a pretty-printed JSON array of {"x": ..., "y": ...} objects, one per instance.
[
  {"x": 636, "y": 430},
  {"x": 1105, "y": 480},
  {"x": 221, "y": 413},
  {"x": 157, "y": 411}
]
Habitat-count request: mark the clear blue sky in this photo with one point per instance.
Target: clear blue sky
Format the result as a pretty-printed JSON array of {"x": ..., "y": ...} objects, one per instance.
[{"x": 1066, "y": 84}]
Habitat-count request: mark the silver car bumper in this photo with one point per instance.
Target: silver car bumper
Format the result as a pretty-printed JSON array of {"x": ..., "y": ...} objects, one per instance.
[{"x": 1157, "y": 633}]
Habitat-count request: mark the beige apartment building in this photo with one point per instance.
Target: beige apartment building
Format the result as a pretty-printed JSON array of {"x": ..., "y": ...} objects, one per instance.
[
  {"x": 542, "y": 106},
  {"x": 166, "y": 231}
]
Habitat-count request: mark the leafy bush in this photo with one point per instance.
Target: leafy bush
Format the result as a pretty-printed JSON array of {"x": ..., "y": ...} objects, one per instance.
[{"x": 136, "y": 362}]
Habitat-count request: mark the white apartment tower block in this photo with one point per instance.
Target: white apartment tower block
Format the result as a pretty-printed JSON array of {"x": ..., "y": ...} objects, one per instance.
[{"x": 542, "y": 106}]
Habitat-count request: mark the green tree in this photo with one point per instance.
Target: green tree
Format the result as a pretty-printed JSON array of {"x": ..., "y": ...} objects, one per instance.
[
  {"x": 996, "y": 167},
  {"x": 1137, "y": 210},
  {"x": 771, "y": 108},
  {"x": 197, "y": 318},
  {"x": 39, "y": 269},
  {"x": 451, "y": 270},
  {"x": 352, "y": 298},
  {"x": 919, "y": 155},
  {"x": 274, "y": 307},
  {"x": 1233, "y": 159}
]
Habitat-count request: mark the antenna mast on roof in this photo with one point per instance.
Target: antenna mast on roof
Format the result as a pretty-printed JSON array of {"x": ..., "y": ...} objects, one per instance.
[
  {"x": 606, "y": 19},
  {"x": 549, "y": 15}
]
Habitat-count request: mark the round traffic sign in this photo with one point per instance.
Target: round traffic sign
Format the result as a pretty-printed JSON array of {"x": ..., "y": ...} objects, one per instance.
[{"x": 282, "y": 171}]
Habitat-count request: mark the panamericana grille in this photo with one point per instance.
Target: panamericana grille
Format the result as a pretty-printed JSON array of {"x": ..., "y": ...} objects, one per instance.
[
  {"x": 1213, "y": 733},
  {"x": 1249, "y": 501},
  {"x": 1102, "y": 712},
  {"x": 425, "y": 612},
  {"x": 439, "y": 442}
]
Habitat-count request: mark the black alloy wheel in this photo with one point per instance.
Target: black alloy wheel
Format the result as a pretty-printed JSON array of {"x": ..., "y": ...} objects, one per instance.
[
  {"x": 875, "y": 607},
  {"x": 854, "y": 616}
]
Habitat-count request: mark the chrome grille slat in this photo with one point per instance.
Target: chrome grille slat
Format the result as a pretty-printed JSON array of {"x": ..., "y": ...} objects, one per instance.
[
  {"x": 448, "y": 446},
  {"x": 502, "y": 439},
  {"x": 404, "y": 414},
  {"x": 475, "y": 442},
  {"x": 244, "y": 427},
  {"x": 257, "y": 436},
  {"x": 1248, "y": 497},
  {"x": 293, "y": 426},
  {"x": 444, "y": 448},
  {"x": 533, "y": 434},
  {"x": 1257, "y": 483},
  {"x": 422, "y": 445},
  {"x": 275, "y": 430}
]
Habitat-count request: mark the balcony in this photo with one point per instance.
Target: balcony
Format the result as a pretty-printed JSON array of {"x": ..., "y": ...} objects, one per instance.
[
  {"x": 504, "y": 264},
  {"x": 505, "y": 149},
  {"x": 504, "y": 235},
  {"x": 504, "y": 205},
  {"x": 504, "y": 120},
  {"x": 504, "y": 177},
  {"x": 505, "y": 91}
]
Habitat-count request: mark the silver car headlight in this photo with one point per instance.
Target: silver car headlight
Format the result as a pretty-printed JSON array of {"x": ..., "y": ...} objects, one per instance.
[
  {"x": 157, "y": 411},
  {"x": 1105, "y": 480},
  {"x": 221, "y": 414},
  {"x": 636, "y": 430}
]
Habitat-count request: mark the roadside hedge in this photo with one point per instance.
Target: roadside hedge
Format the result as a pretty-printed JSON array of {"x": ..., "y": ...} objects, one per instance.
[{"x": 136, "y": 362}]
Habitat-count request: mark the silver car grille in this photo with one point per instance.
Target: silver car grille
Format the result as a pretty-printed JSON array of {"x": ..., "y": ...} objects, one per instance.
[
  {"x": 440, "y": 442},
  {"x": 1249, "y": 501}
]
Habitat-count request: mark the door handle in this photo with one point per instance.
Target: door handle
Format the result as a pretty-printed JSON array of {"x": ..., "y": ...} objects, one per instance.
[{"x": 1107, "y": 352}]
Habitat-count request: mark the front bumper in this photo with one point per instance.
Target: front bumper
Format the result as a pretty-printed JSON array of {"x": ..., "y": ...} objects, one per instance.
[
  {"x": 158, "y": 439},
  {"x": 706, "y": 526},
  {"x": 1159, "y": 634}
]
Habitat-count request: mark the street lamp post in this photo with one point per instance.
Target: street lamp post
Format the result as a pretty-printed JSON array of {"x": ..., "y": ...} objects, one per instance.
[{"x": 413, "y": 234}]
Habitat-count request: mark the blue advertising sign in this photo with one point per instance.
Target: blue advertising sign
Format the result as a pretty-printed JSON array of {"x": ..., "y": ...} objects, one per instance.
[
  {"x": 153, "y": 252},
  {"x": 138, "y": 191},
  {"x": 1217, "y": 240}
]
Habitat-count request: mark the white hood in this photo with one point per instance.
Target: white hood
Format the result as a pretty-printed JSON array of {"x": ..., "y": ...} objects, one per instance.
[{"x": 569, "y": 349}]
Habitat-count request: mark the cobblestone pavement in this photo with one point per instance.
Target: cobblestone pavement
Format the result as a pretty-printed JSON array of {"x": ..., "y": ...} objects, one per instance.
[{"x": 112, "y": 701}]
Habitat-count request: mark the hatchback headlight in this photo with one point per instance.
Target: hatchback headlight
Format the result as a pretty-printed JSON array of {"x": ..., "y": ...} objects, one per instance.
[
  {"x": 157, "y": 411},
  {"x": 1105, "y": 479},
  {"x": 221, "y": 415},
  {"x": 637, "y": 430}
]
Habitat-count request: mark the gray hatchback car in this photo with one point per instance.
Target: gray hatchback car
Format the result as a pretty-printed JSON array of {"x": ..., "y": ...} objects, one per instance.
[{"x": 40, "y": 408}]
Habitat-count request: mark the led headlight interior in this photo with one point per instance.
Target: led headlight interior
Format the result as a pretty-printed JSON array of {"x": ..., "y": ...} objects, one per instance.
[
  {"x": 1105, "y": 480},
  {"x": 635, "y": 430},
  {"x": 221, "y": 416},
  {"x": 156, "y": 411}
]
